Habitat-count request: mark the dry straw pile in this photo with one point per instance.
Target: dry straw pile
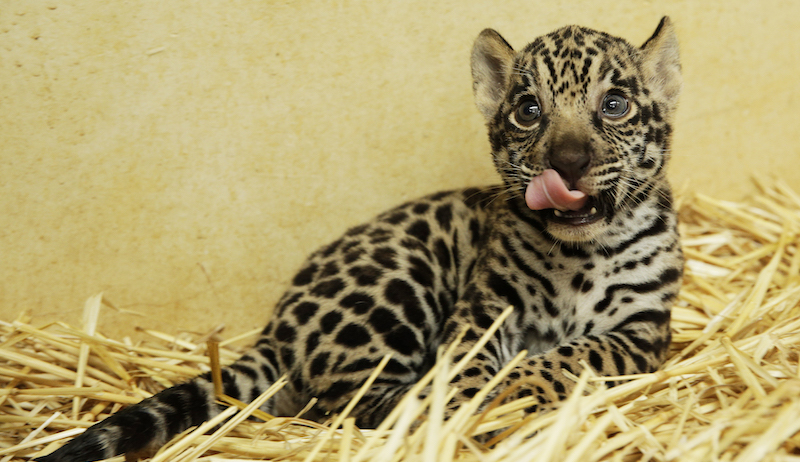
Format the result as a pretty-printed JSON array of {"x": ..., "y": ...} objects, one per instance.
[{"x": 730, "y": 391}]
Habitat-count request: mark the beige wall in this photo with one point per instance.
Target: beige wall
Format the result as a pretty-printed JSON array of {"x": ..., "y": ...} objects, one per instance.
[{"x": 182, "y": 157}]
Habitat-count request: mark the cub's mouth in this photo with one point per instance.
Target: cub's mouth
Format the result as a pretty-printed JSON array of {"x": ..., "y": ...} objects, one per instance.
[
  {"x": 549, "y": 193},
  {"x": 592, "y": 211}
]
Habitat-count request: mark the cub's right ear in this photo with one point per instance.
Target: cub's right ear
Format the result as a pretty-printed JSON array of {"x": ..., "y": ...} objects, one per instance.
[{"x": 492, "y": 61}]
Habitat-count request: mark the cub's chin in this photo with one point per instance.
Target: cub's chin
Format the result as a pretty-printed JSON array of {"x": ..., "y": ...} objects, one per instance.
[{"x": 577, "y": 234}]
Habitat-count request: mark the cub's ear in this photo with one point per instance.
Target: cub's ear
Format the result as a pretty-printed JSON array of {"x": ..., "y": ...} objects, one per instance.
[
  {"x": 492, "y": 60},
  {"x": 662, "y": 66}
]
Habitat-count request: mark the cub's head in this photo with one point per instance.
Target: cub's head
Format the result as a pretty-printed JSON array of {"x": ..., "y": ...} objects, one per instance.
[{"x": 593, "y": 110}]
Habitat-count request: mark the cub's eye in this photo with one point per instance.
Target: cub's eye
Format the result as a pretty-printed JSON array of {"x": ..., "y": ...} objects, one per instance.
[
  {"x": 528, "y": 111},
  {"x": 614, "y": 105}
]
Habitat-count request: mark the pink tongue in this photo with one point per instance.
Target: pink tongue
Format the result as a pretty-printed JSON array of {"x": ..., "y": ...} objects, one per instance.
[{"x": 548, "y": 191}]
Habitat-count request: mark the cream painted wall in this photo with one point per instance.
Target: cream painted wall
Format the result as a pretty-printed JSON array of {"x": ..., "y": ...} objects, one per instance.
[{"x": 183, "y": 157}]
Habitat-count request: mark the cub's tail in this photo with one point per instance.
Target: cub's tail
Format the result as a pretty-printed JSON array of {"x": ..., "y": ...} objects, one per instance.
[{"x": 140, "y": 430}]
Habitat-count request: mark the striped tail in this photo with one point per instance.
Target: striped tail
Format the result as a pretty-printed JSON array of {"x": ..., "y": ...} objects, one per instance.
[{"x": 140, "y": 430}]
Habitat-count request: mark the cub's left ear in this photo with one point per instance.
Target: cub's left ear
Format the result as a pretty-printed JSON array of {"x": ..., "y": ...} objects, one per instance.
[{"x": 662, "y": 66}]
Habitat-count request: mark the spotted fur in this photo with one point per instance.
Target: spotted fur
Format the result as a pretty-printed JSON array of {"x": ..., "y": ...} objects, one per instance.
[{"x": 592, "y": 286}]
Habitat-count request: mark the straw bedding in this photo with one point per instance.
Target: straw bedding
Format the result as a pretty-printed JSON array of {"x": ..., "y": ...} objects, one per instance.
[{"x": 730, "y": 390}]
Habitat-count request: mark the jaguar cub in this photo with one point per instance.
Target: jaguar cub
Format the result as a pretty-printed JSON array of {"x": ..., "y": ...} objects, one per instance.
[{"x": 581, "y": 241}]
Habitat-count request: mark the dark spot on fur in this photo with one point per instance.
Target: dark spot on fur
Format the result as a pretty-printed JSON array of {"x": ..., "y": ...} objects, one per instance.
[
  {"x": 356, "y": 230},
  {"x": 365, "y": 275},
  {"x": 421, "y": 208},
  {"x": 306, "y": 275},
  {"x": 595, "y": 360},
  {"x": 383, "y": 320},
  {"x": 353, "y": 335},
  {"x": 619, "y": 362},
  {"x": 444, "y": 216},
  {"x": 328, "y": 250},
  {"x": 420, "y": 230},
  {"x": 420, "y": 271},
  {"x": 285, "y": 332},
  {"x": 312, "y": 342},
  {"x": 287, "y": 356},
  {"x": 401, "y": 293},
  {"x": 287, "y": 300},
  {"x": 330, "y": 269},
  {"x": 566, "y": 350},
  {"x": 229, "y": 384},
  {"x": 353, "y": 255},
  {"x": 329, "y": 322},
  {"x": 442, "y": 253},
  {"x": 503, "y": 289},
  {"x": 472, "y": 372},
  {"x": 396, "y": 218},
  {"x": 481, "y": 318},
  {"x": 304, "y": 311},
  {"x": 396, "y": 367},
  {"x": 328, "y": 289},
  {"x": 402, "y": 340},
  {"x": 474, "y": 231},
  {"x": 359, "y": 302},
  {"x": 549, "y": 307},
  {"x": 385, "y": 256}
]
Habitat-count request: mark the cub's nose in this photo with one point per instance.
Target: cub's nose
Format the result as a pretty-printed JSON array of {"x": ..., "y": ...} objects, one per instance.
[{"x": 570, "y": 160}]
